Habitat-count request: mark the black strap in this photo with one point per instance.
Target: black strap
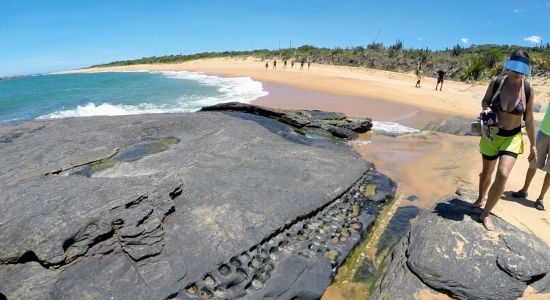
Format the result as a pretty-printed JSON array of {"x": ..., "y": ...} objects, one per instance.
[
  {"x": 498, "y": 82},
  {"x": 527, "y": 88}
]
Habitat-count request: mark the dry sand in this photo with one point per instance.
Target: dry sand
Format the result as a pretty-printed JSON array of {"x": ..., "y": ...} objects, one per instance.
[{"x": 429, "y": 165}]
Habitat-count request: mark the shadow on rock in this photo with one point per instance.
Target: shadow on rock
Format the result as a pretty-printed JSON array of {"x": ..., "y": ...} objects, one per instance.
[{"x": 455, "y": 209}]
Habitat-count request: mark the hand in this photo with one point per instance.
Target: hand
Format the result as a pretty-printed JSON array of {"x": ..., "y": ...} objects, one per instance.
[
  {"x": 532, "y": 155},
  {"x": 487, "y": 110}
]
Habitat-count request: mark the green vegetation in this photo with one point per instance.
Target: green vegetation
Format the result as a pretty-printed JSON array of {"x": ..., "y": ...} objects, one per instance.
[{"x": 477, "y": 62}]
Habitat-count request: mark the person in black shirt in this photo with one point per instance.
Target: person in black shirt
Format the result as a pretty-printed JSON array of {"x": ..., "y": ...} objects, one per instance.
[{"x": 440, "y": 77}]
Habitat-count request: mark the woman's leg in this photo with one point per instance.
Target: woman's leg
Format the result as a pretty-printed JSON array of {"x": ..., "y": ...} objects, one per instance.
[
  {"x": 505, "y": 165},
  {"x": 485, "y": 179}
]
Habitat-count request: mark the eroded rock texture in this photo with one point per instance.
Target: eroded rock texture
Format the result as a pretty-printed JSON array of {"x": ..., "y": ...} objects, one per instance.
[
  {"x": 448, "y": 251},
  {"x": 205, "y": 205}
]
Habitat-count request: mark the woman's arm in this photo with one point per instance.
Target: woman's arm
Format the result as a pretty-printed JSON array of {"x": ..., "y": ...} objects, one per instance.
[
  {"x": 530, "y": 125},
  {"x": 486, "y": 102}
]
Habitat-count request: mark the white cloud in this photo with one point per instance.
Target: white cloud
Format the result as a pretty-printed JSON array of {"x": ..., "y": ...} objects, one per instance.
[
  {"x": 535, "y": 39},
  {"x": 465, "y": 40},
  {"x": 518, "y": 10}
]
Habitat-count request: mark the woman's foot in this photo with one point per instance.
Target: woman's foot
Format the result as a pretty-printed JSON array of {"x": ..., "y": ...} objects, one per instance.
[
  {"x": 478, "y": 203},
  {"x": 487, "y": 223}
]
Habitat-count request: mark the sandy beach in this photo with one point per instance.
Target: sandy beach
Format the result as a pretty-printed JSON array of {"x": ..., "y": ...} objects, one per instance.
[{"x": 427, "y": 165}]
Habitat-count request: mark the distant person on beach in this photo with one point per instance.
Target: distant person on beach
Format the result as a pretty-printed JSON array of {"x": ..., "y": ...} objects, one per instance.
[
  {"x": 418, "y": 73},
  {"x": 308, "y": 63},
  {"x": 274, "y": 64},
  {"x": 440, "y": 78},
  {"x": 266, "y": 65},
  {"x": 284, "y": 64},
  {"x": 542, "y": 162},
  {"x": 508, "y": 100},
  {"x": 302, "y": 64},
  {"x": 292, "y": 64}
]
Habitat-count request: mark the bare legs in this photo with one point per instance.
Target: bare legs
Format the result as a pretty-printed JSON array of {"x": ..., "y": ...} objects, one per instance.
[
  {"x": 505, "y": 165},
  {"x": 485, "y": 179},
  {"x": 528, "y": 178}
]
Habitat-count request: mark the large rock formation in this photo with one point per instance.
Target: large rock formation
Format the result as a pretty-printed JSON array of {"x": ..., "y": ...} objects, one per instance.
[
  {"x": 448, "y": 251},
  {"x": 206, "y": 205}
]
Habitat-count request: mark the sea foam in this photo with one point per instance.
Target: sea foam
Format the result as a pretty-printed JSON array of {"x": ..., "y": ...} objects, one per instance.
[
  {"x": 391, "y": 128},
  {"x": 231, "y": 89}
]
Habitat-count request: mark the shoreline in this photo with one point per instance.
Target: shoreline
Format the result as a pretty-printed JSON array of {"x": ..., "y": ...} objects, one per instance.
[
  {"x": 457, "y": 98},
  {"x": 426, "y": 165}
]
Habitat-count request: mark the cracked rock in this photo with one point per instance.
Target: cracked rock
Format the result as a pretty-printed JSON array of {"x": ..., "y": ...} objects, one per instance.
[
  {"x": 209, "y": 204},
  {"x": 448, "y": 251}
]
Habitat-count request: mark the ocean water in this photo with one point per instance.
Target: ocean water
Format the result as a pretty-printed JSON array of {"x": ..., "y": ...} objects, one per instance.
[{"x": 118, "y": 93}]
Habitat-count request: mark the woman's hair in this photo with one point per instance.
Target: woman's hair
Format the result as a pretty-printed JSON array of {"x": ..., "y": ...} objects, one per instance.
[{"x": 520, "y": 52}]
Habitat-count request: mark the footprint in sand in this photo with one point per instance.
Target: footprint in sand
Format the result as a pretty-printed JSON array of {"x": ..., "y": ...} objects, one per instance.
[{"x": 546, "y": 221}]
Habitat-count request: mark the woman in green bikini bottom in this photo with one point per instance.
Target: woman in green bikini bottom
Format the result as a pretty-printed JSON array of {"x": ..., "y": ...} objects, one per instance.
[{"x": 511, "y": 98}]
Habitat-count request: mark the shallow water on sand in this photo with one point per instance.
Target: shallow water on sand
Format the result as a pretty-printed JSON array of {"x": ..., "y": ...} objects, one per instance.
[{"x": 413, "y": 160}]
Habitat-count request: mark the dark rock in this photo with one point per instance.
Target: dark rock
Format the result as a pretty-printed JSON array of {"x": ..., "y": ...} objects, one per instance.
[
  {"x": 210, "y": 204},
  {"x": 448, "y": 251},
  {"x": 336, "y": 124},
  {"x": 412, "y": 198},
  {"x": 292, "y": 117},
  {"x": 537, "y": 107},
  {"x": 379, "y": 188},
  {"x": 340, "y": 132},
  {"x": 358, "y": 125},
  {"x": 455, "y": 125}
]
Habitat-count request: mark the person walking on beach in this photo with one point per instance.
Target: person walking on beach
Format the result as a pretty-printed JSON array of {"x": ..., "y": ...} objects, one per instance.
[
  {"x": 275, "y": 64},
  {"x": 542, "y": 162},
  {"x": 418, "y": 73},
  {"x": 508, "y": 99},
  {"x": 266, "y": 65},
  {"x": 440, "y": 77},
  {"x": 308, "y": 62},
  {"x": 302, "y": 64},
  {"x": 292, "y": 64}
]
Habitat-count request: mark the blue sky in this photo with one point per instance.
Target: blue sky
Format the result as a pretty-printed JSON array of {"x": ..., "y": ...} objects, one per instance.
[{"x": 49, "y": 35}]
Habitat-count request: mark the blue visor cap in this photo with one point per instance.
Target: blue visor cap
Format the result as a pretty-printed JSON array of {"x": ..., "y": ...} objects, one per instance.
[{"x": 518, "y": 64}]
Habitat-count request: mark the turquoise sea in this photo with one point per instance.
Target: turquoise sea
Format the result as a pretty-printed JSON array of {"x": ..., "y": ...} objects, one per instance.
[{"x": 118, "y": 93}]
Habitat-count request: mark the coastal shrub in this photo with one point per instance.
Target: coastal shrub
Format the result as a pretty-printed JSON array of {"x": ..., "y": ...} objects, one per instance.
[
  {"x": 474, "y": 69},
  {"x": 375, "y": 46},
  {"x": 472, "y": 63},
  {"x": 398, "y": 46},
  {"x": 457, "y": 50}
]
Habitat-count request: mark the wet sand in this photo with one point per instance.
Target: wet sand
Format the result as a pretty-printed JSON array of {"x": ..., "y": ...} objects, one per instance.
[
  {"x": 288, "y": 97},
  {"x": 414, "y": 162}
]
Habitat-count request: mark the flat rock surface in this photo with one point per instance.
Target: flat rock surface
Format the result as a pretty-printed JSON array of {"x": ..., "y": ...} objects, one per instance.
[
  {"x": 448, "y": 251},
  {"x": 203, "y": 205}
]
